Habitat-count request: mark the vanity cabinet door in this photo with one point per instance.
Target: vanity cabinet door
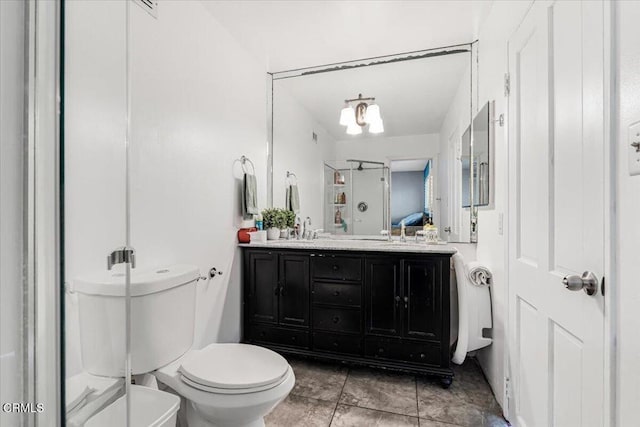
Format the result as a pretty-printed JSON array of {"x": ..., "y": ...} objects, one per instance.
[
  {"x": 383, "y": 296},
  {"x": 422, "y": 300},
  {"x": 261, "y": 270},
  {"x": 294, "y": 290}
]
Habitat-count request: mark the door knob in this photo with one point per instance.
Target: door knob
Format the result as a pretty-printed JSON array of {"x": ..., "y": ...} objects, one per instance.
[{"x": 588, "y": 282}]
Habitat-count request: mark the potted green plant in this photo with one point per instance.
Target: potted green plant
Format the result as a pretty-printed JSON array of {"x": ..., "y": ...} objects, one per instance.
[
  {"x": 275, "y": 219},
  {"x": 290, "y": 220}
]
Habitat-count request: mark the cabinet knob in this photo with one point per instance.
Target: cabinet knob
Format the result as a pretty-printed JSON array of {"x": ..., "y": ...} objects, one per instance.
[
  {"x": 335, "y": 267},
  {"x": 336, "y": 293},
  {"x": 381, "y": 350},
  {"x": 397, "y": 298},
  {"x": 336, "y": 319},
  {"x": 422, "y": 356},
  {"x": 335, "y": 343}
]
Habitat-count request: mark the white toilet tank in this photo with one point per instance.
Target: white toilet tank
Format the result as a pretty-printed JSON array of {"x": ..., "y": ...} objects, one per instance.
[{"x": 162, "y": 318}]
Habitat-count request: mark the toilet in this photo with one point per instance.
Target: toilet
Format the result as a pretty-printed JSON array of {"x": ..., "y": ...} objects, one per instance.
[{"x": 224, "y": 384}]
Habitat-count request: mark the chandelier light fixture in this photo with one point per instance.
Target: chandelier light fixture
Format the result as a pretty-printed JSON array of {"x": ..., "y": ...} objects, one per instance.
[{"x": 365, "y": 112}]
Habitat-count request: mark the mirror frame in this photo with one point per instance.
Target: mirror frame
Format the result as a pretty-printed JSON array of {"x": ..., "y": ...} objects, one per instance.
[{"x": 471, "y": 48}]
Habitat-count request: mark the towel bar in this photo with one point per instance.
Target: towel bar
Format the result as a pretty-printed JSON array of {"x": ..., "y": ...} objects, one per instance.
[
  {"x": 244, "y": 160},
  {"x": 291, "y": 174}
]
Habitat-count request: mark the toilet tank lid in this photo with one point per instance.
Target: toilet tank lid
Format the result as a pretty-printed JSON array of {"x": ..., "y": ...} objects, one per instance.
[{"x": 143, "y": 282}]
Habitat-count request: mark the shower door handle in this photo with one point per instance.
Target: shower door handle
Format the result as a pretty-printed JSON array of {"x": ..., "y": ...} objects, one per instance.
[{"x": 122, "y": 255}]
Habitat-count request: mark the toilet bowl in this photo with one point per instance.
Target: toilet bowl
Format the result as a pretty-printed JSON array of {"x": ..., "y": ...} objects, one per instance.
[
  {"x": 224, "y": 384},
  {"x": 229, "y": 384}
]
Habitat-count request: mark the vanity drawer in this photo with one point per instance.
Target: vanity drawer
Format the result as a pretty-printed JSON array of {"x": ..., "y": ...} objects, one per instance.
[
  {"x": 336, "y": 267},
  {"x": 410, "y": 351},
  {"x": 337, "y": 343},
  {"x": 337, "y": 294},
  {"x": 282, "y": 336},
  {"x": 337, "y": 319}
]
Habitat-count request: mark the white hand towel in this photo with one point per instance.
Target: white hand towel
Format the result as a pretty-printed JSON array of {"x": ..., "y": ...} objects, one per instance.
[{"x": 478, "y": 273}]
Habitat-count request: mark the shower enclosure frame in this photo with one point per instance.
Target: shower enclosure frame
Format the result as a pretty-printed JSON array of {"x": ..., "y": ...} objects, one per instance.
[{"x": 42, "y": 361}]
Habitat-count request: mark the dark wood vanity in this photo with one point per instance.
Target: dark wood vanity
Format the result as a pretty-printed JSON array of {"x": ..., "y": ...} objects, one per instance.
[{"x": 382, "y": 309}]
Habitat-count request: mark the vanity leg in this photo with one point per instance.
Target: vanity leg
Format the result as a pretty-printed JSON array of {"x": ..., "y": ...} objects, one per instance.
[{"x": 446, "y": 382}]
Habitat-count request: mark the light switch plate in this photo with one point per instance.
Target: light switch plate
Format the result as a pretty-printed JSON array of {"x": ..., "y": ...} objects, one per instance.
[{"x": 634, "y": 153}]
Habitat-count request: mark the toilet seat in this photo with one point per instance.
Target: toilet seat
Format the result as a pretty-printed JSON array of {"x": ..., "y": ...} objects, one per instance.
[{"x": 233, "y": 369}]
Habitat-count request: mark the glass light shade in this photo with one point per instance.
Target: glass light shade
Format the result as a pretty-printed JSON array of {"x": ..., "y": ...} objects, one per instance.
[
  {"x": 354, "y": 129},
  {"x": 376, "y": 127},
  {"x": 347, "y": 116},
  {"x": 373, "y": 114}
]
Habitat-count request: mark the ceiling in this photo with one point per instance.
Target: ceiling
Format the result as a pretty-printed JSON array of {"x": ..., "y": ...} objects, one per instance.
[
  {"x": 414, "y": 96},
  {"x": 286, "y": 35}
]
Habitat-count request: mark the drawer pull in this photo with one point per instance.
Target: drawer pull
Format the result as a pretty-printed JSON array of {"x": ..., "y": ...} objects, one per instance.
[
  {"x": 336, "y": 319},
  {"x": 336, "y": 293},
  {"x": 293, "y": 338},
  {"x": 335, "y": 268},
  {"x": 422, "y": 355},
  {"x": 381, "y": 350},
  {"x": 335, "y": 344}
]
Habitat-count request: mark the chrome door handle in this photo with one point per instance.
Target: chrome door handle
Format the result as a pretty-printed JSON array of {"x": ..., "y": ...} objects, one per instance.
[
  {"x": 587, "y": 282},
  {"x": 122, "y": 255}
]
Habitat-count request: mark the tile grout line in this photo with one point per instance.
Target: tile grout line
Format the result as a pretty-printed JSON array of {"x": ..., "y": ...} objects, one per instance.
[
  {"x": 346, "y": 377},
  {"x": 383, "y": 411}
]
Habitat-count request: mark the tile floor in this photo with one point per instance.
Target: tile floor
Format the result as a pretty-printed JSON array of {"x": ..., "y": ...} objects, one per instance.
[{"x": 335, "y": 395}]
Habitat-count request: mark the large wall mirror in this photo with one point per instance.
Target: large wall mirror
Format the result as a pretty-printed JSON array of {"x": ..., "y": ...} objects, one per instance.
[{"x": 375, "y": 144}]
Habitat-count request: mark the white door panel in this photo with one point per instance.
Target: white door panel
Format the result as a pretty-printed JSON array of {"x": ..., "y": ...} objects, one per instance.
[{"x": 556, "y": 213}]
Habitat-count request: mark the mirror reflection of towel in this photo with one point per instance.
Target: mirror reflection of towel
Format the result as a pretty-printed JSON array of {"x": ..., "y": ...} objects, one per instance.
[
  {"x": 292, "y": 197},
  {"x": 249, "y": 196}
]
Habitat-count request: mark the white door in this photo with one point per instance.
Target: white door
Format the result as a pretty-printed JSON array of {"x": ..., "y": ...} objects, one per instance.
[{"x": 556, "y": 214}]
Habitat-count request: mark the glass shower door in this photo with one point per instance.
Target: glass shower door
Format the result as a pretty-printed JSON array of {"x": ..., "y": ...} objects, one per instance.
[
  {"x": 370, "y": 193},
  {"x": 96, "y": 213}
]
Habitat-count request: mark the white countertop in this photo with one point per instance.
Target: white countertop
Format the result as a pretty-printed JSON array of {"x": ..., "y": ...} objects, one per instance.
[{"x": 356, "y": 245}]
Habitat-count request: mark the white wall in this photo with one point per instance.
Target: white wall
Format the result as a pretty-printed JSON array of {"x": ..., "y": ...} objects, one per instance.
[
  {"x": 627, "y": 74},
  {"x": 12, "y": 56},
  {"x": 383, "y": 149},
  {"x": 198, "y": 104},
  {"x": 295, "y": 150},
  {"x": 502, "y": 21},
  {"x": 450, "y": 189}
]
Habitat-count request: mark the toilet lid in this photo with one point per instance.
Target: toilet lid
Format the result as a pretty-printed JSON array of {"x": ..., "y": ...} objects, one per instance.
[{"x": 235, "y": 366}]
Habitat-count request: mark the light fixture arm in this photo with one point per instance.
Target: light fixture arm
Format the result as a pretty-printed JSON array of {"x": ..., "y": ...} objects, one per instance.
[{"x": 359, "y": 98}]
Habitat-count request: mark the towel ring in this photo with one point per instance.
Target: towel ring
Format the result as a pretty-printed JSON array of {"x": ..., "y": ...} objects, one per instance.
[
  {"x": 244, "y": 160},
  {"x": 289, "y": 177}
]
